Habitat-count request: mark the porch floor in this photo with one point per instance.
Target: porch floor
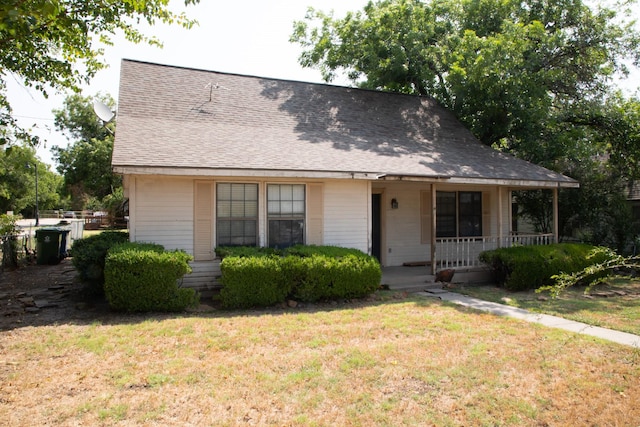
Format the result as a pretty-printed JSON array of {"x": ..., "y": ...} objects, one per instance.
[{"x": 410, "y": 279}]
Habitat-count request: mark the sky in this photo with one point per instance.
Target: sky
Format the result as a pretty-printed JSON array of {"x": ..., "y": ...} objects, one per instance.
[{"x": 249, "y": 37}]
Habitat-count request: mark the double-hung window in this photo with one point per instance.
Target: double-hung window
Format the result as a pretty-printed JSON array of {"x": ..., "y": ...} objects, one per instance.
[
  {"x": 237, "y": 214},
  {"x": 458, "y": 214},
  {"x": 285, "y": 214}
]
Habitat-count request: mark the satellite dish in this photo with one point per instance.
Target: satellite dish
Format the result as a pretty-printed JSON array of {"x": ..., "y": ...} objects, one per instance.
[{"x": 103, "y": 111}]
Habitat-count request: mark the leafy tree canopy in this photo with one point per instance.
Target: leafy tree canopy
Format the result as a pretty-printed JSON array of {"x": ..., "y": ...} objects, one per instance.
[
  {"x": 55, "y": 43},
  {"x": 502, "y": 66},
  {"x": 17, "y": 182},
  {"x": 86, "y": 163}
]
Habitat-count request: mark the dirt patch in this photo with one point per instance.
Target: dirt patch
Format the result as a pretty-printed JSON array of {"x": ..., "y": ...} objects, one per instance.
[{"x": 36, "y": 295}]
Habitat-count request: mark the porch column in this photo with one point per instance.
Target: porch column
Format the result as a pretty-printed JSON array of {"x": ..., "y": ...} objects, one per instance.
[
  {"x": 500, "y": 237},
  {"x": 555, "y": 215},
  {"x": 433, "y": 228}
]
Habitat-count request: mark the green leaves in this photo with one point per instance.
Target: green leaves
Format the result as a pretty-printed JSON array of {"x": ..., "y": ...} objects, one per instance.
[
  {"x": 51, "y": 43},
  {"x": 502, "y": 67}
]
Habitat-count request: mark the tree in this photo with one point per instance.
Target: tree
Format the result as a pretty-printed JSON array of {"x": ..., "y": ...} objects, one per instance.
[
  {"x": 55, "y": 43},
  {"x": 502, "y": 66},
  {"x": 86, "y": 163},
  {"x": 17, "y": 182}
]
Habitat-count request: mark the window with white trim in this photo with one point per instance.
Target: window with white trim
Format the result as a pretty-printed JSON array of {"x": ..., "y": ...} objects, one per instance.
[
  {"x": 458, "y": 214},
  {"x": 237, "y": 214},
  {"x": 285, "y": 214}
]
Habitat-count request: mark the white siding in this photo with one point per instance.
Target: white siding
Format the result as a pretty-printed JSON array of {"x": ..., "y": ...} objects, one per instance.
[
  {"x": 403, "y": 232},
  {"x": 403, "y": 235},
  {"x": 346, "y": 214},
  {"x": 164, "y": 212}
]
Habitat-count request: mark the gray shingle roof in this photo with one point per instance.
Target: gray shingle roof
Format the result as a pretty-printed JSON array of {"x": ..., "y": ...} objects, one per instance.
[{"x": 173, "y": 117}]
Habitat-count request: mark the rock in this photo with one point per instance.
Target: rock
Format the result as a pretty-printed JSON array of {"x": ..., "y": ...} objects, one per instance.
[
  {"x": 27, "y": 301},
  {"x": 43, "y": 303},
  {"x": 603, "y": 294},
  {"x": 32, "y": 309}
]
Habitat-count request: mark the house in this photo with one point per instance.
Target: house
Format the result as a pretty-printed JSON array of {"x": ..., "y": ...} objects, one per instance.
[{"x": 212, "y": 159}]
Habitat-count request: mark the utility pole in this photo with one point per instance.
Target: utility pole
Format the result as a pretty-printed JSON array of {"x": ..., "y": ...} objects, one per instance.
[
  {"x": 37, "y": 213},
  {"x": 35, "y": 165}
]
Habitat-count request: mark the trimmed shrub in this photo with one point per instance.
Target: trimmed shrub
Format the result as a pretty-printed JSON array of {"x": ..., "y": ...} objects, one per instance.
[
  {"x": 329, "y": 251},
  {"x": 521, "y": 268},
  {"x": 88, "y": 257},
  {"x": 306, "y": 273},
  {"x": 321, "y": 277},
  {"x": 253, "y": 281},
  {"x": 245, "y": 251},
  {"x": 143, "y": 277}
]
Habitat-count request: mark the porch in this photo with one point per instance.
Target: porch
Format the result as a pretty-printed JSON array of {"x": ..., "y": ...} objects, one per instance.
[
  {"x": 463, "y": 252},
  {"x": 458, "y": 254}
]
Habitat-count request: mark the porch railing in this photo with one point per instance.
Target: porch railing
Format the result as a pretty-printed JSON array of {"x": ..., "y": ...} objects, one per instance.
[{"x": 463, "y": 252}]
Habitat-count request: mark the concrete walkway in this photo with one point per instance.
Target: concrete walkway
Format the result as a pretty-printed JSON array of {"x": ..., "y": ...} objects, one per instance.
[{"x": 543, "y": 319}]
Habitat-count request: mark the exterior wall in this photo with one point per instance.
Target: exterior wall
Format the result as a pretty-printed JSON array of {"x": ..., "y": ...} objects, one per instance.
[
  {"x": 347, "y": 214},
  {"x": 162, "y": 211},
  {"x": 404, "y": 239},
  {"x": 401, "y": 229}
]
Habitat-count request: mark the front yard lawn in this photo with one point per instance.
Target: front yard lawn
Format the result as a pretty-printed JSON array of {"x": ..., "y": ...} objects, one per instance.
[
  {"x": 413, "y": 361},
  {"x": 615, "y": 305}
]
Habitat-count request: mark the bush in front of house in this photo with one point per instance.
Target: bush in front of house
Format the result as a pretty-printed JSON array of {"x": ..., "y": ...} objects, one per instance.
[
  {"x": 88, "y": 257},
  {"x": 245, "y": 251},
  {"x": 305, "y": 273},
  {"x": 253, "y": 281},
  {"x": 144, "y": 277},
  {"x": 319, "y": 277},
  {"x": 521, "y": 268}
]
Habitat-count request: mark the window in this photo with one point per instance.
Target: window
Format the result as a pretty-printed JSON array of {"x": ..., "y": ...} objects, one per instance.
[
  {"x": 237, "y": 214},
  {"x": 285, "y": 212},
  {"x": 458, "y": 214}
]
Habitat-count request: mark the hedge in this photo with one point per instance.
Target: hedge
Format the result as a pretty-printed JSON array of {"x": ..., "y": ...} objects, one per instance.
[
  {"x": 88, "y": 257},
  {"x": 253, "y": 281},
  {"x": 143, "y": 277},
  {"x": 305, "y": 273},
  {"x": 521, "y": 268}
]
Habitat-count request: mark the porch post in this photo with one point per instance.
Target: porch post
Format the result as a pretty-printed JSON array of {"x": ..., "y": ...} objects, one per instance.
[
  {"x": 500, "y": 237},
  {"x": 555, "y": 215},
  {"x": 433, "y": 228}
]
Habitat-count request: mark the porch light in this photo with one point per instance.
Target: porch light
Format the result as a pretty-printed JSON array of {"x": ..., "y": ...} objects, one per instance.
[{"x": 394, "y": 203}]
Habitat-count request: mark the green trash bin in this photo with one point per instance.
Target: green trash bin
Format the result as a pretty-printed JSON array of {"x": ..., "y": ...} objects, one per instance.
[{"x": 48, "y": 246}]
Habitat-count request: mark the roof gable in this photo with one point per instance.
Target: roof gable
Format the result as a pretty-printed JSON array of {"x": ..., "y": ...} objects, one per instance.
[{"x": 172, "y": 117}]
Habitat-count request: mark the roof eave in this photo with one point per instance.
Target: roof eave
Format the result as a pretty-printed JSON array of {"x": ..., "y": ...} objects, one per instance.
[{"x": 372, "y": 176}]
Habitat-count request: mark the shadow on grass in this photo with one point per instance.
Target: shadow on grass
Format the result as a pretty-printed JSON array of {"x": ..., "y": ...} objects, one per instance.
[{"x": 80, "y": 308}]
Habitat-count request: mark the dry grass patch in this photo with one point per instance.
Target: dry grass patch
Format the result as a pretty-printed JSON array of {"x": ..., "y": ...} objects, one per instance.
[{"x": 413, "y": 362}]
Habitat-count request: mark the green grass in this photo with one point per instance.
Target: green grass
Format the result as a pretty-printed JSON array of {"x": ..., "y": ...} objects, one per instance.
[{"x": 615, "y": 311}]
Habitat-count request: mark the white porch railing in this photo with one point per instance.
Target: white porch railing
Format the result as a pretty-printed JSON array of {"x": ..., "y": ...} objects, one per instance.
[{"x": 463, "y": 252}]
